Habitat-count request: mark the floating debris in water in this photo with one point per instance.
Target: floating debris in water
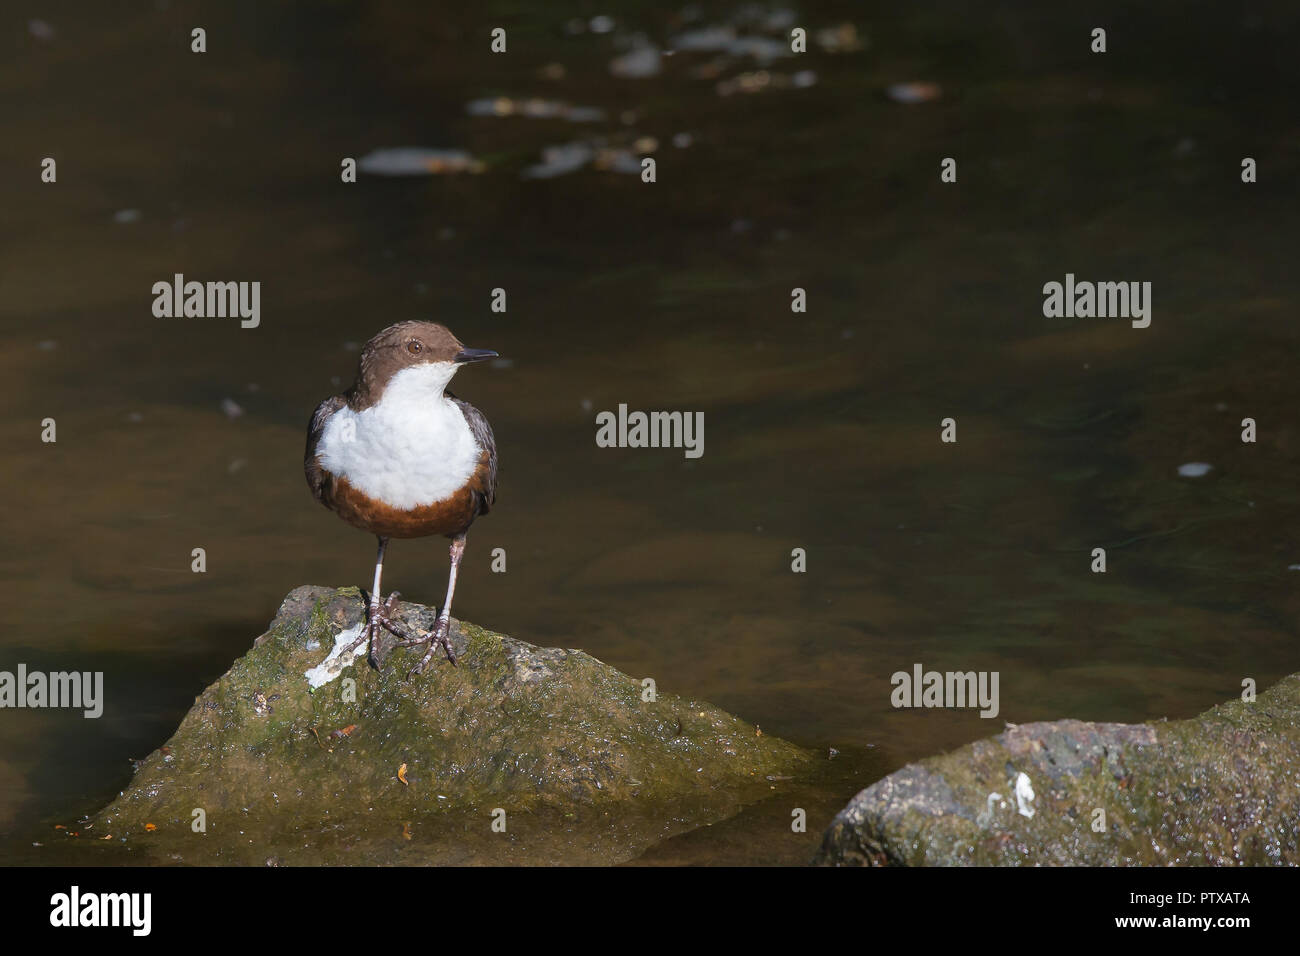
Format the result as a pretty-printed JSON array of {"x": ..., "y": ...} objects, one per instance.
[
  {"x": 704, "y": 39},
  {"x": 1194, "y": 469},
  {"x": 778, "y": 21},
  {"x": 124, "y": 216},
  {"x": 601, "y": 24},
  {"x": 726, "y": 40},
  {"x": 231, "y": 408},
  {"x": 571, "y": 157},
  {"x": 617, "y": 161},
  {"x": 911, "y": 93},
  {"x": 841, "y": 39},
  {"x": 762, "y": 49},
  {"x": 559, "y": 160},
  {"x": 761, "y": 80},
  {"x": 584, "y": 114},
  {"x": 638, "y": 63},
  {"x": 710, "y": 70},
  {"x": 534, "y": 109},
  {"x": 41, "y": 29},
  {"x": 745, "y": 83},
  {"x": 418, "y": 161}
]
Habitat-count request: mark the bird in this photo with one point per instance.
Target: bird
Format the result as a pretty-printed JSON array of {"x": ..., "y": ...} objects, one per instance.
[{"x": 399, "y": 456}]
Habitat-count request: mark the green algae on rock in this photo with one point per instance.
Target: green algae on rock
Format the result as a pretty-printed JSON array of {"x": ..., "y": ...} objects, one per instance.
[
  {"x": 566, "y": 755},
  {"x": 1219, "y": 789}
]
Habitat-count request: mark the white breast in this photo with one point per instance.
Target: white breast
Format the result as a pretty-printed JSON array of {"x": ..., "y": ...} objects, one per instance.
[{"x": 413, "y": 447}]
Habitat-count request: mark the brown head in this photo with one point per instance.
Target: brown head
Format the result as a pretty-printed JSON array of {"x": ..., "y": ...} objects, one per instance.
[{"x": 408, "y": 345}]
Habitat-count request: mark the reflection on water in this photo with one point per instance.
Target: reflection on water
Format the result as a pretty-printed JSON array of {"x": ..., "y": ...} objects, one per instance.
[{"x": 924, "y": 303}]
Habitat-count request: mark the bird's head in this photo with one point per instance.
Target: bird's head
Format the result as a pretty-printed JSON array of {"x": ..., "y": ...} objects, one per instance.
[{"x": 424, "y": 354}]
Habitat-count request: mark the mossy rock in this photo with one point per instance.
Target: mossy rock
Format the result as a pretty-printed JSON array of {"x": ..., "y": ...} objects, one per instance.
[
  {"x": 1219, "y": 789},
  {"x": 558, "y": 749}
]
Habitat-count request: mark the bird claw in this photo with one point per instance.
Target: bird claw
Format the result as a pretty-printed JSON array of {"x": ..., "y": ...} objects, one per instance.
[
  {"x": 381, "y": 616},
  {"x": 440, "y": 636}
]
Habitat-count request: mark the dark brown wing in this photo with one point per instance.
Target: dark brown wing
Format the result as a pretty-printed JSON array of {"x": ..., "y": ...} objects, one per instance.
[
  {"x": 317, "y": 476},
  {"x": 486, "y": 476}
]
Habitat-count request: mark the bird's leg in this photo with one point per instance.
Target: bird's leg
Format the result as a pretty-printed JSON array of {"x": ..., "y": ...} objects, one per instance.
[
  {"x": 440, "y": 635},
  {"x": 379, "y": 614}
]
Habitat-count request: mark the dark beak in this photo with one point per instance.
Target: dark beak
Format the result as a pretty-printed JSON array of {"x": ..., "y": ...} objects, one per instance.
[{"x": 473, "y": 355}]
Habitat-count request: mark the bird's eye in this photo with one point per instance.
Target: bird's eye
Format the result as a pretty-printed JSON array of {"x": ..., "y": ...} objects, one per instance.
[{"x": 414, "y": 347}]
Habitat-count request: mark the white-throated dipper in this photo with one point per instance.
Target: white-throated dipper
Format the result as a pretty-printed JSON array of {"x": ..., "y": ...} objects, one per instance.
[{"x": 401, "y": 457}]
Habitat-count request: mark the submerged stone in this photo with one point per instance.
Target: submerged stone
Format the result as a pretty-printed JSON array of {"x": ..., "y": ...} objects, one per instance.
[
  {"x": 519, "y": 754},
  {"x": 1219, "y": 789}
]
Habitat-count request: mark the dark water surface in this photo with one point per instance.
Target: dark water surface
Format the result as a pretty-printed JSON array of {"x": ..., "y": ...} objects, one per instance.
[{"x": 822, "y": 429}]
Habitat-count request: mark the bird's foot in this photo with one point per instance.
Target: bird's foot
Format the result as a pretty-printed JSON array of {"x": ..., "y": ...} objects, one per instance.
[
  {"x": 440, "y": 636},
  {"x": 379, "y": 618}
]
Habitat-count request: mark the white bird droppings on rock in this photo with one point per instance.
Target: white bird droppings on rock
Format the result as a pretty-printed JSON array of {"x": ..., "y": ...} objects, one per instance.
[
  {"x": 1024, "y": 794},
  {"x": 333, "y": 666}
]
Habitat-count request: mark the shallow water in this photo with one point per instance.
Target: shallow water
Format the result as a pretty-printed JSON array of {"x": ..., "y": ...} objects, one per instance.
[{"x": 822, "y": 429}]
